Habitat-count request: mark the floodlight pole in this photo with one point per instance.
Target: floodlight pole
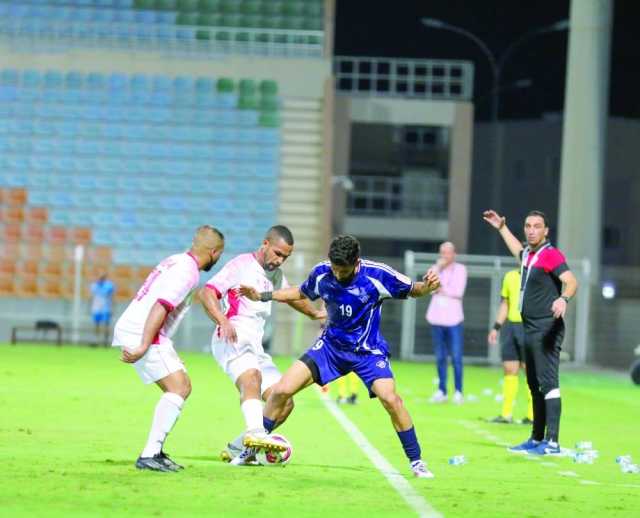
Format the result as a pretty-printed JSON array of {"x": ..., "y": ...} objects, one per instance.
[{"x": 497, "y": 64}]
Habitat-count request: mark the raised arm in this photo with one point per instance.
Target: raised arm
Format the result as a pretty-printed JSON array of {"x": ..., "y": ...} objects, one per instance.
[
  {"x": 212, "y": 307},
  {"x": 500, "y": 224},
  {"x": 152, "y": 326}
]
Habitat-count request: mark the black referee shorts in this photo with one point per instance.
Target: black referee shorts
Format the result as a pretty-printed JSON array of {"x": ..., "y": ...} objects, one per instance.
[
  {"x": 512, "y": 342},
  {"x": 542, "y": 344}
]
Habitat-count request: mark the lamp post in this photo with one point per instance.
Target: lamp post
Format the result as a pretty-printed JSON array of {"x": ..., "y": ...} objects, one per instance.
[{"x": 497, "y": 63}]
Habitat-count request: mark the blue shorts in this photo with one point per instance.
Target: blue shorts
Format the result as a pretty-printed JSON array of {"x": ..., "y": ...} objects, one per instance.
[
  {"x": 103, "y": 317},
  {"x": 328, "y": 363}
]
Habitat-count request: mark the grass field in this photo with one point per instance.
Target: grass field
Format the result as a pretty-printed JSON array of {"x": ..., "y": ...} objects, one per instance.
[{"x": 73, "y": 420}]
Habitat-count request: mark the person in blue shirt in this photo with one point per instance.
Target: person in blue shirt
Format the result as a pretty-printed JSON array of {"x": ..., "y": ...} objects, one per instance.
[
  {"x": 353, "y": 290},
  {"x": 102, "y": 291}
]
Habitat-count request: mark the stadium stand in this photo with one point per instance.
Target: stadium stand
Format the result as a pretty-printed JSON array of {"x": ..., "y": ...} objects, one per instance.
[
  {"x": 128, "y": 165},
  {"x": 270, "y": 23}
]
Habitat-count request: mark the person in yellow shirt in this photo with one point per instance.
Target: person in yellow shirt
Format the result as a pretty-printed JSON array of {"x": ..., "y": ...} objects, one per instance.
[
  {"x": 508, "y": 326},
  {"x": 351, "y": 396}
]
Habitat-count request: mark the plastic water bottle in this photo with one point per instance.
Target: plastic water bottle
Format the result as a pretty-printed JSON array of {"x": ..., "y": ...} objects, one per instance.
[
  {"x": 458, "y": 460},
  {"x": 627, "y": 467},
  {"x": 585, "y": 457},
  {"x": 584, "y": 445},
  {"x": 624, "y": 459}
]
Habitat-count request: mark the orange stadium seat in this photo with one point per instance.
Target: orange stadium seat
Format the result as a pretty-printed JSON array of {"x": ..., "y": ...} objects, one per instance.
[
  {"x": 81, "y": 236},
  {"x": 15, "y": 197},
  {"x": 11, "y": 232},
  {"x": 124, "y": 292},
  {"x": 51, "y": 288},
  {"x": 27, "y": 286},
  {"x": 7, "y": 285},
  {"x": 52, "y": 269},
  {"x": 38, "y": 215},
  {"x": 28, "y": 267},
  {"x": 10, "y": 250},
  {"x": 12, "y": 214},
  {"x": 34, "y": 234},
  {"x": 122, "y": 271},
  {"x": 56, "y": 235},
  {"x": 7, "y": 267},
  {"x": 142, "y": 272},
  {"x": 3, "y": 195},
  {"x": 33, "y": 251},
  {"x": 99, "y": 255},
  {"x": 57, "y": 252}
]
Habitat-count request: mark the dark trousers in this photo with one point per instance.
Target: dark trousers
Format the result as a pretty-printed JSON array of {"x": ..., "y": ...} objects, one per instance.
[
  {"x": 542, "y": 344},
  {"x": 448, "y": 341}
]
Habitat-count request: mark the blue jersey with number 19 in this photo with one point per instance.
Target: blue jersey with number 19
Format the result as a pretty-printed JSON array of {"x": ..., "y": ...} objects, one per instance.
[{"x": 353, "y": 309}]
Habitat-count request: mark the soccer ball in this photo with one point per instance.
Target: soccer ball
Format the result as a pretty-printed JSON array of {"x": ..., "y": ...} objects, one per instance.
[{"x": 276, "y": 458}]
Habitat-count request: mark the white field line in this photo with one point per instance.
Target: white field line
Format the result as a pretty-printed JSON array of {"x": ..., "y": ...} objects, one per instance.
[
  {"x": 470, "y": 425},
  {"x": 414, "y": 499}
]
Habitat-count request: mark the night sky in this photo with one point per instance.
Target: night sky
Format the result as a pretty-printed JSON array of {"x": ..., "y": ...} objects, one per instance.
[{"x": 393, "y": 29}]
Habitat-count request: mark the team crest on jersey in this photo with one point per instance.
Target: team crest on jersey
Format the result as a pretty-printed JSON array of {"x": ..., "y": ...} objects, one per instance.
[
  {"x": 361, "y": 293},
  {"x": 318, "y": 345},
  {"x": 381, "y": 364}
]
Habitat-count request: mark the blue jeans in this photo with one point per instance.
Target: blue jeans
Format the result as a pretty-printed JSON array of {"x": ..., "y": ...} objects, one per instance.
[{"x": 447, "y": 340}]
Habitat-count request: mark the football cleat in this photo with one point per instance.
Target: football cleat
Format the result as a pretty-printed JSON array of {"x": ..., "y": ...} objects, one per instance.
[
  {"x": 438, "y": 397},
  {"x": 247, "y": 457},
  {"x": 262, "y": 441},
  {"x": 420, "y": 469},
  {"x": 169, "y": 462},
  {"x": 155, "y": 463},
  {"x": 230, "y": 453}
]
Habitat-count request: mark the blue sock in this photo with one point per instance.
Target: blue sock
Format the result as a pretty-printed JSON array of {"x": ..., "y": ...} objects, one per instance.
[
  {"x": 268, "y": 424},
  {"x": 410, "y": 444}
]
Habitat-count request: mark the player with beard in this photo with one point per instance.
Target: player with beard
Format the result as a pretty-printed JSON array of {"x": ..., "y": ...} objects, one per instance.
[
  {"x": 237, "y": 341},
  {"x": 144, "y": 333},
  {"x": 353, "y": 290}
]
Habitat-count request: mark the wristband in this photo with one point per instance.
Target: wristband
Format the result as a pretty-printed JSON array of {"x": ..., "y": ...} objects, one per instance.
[
  {"x": 497, "y": 326},
  {"x": 565, "y": 298},
  {"x": 266, "y": 296}
]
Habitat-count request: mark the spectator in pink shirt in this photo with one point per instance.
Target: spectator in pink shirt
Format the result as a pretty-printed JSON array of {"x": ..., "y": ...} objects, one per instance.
[{"x": 445, "y": 316}]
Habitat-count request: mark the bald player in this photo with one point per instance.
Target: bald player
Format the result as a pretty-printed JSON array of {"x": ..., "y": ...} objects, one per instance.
[{"x": 144, "y": 333}]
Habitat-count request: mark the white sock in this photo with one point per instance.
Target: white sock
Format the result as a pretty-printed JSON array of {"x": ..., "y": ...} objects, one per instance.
[
  {"x": 167, "y": 412},
  {"x": 252, "y": 412},
  {"x": 237, "y": 442}
]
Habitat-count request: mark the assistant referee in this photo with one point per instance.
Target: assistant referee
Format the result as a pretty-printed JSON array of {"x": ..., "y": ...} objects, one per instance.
[{"x": 547, "y": 286}]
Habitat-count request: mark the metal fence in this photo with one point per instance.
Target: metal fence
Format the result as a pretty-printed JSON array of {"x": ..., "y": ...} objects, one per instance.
[{"x": 481, "y": 301}]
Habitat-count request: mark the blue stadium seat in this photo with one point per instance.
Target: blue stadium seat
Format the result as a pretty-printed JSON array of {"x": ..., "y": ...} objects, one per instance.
[
  {"x": 103, "y": 236},
  {"x": 56, "y": 216},
  {"x": 103, "y": 219}
]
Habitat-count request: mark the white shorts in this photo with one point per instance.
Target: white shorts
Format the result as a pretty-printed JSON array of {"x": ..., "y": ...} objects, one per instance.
[
  {"x": 159, "y": 361},
  {"x": 247, "y": 353}
]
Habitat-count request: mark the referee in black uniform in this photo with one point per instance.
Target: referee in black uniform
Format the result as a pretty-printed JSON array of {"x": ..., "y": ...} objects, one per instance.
[{"x": 547, "y": 287}]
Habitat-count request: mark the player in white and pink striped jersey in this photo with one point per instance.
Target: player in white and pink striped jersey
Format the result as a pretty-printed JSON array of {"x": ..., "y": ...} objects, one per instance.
[
  {"x": 237, "y": 341},
  {"x": 144, "y": 333}
]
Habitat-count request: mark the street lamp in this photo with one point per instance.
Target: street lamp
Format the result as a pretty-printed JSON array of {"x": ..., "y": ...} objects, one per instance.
[{"x": 497, "y": 63}]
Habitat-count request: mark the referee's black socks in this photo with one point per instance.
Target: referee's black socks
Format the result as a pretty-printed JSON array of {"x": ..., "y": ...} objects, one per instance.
[{"x": 553, "y": 408}]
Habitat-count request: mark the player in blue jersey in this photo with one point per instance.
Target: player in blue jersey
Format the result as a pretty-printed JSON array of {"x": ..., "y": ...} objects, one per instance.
[{"x": 353, "y": 290}]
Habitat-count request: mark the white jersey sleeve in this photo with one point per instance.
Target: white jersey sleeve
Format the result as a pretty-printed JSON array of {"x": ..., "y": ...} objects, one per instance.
[{"x": 228, "y": 277}]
